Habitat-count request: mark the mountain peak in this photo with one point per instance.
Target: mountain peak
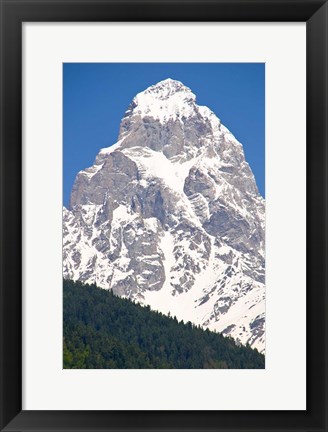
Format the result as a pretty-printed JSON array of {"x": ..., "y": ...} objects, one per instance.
[
  {"x": 166, "y": 88},
  {"x": 168, "y": 99},
  {"x": 170, "y": 216}
]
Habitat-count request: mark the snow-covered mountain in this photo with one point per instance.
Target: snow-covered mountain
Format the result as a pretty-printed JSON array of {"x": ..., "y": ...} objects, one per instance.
[{"x": 170, "y": 216}]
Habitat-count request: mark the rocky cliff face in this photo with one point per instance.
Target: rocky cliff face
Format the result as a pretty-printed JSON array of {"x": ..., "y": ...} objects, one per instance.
[{"x": 170, "y": 216}]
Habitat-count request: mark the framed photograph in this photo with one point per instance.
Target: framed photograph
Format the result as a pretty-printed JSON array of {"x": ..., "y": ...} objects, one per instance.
[
  {"x": 169, "y": 217},
  {"x": 163, "y": 215}
]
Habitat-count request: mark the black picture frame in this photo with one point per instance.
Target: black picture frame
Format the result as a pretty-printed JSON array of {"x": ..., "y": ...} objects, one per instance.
[{"x": 13, "y": 14}]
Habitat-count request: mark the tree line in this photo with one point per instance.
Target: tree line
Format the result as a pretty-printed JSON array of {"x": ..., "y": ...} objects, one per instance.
[{"x": 103, "y": 331}]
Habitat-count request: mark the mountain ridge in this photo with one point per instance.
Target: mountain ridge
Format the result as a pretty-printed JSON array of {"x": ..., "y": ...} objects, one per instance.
[{"x": 171, "y": 216}]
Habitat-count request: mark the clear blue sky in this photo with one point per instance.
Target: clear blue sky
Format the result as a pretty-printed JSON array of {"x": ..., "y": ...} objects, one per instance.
[{"x": 96, "y": 95}]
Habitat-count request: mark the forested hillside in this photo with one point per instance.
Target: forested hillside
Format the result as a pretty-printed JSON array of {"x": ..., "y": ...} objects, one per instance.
[{"x": 102, "y": 331}]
